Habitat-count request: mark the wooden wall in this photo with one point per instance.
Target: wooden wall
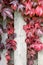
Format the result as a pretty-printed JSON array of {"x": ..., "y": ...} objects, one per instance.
[{"x": 19, "y": 56}]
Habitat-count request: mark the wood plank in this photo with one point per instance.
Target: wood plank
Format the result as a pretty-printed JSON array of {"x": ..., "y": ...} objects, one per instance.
[
  {"x": 4, "y": 36},
  {"x": 40, "y": 54},
  {"x": 20, "y": 53}
]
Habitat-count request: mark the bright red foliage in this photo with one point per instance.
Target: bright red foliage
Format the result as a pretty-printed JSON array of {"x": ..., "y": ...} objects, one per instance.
[
  {"x": 33, "y": 15},
  {"x": 10, "y": 42},
  {"x": 34, "y": 31}
]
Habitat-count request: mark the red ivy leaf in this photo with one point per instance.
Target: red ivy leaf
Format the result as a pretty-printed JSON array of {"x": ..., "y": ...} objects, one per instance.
[
  {"x": 39, "y": 11},
  {"x": 21, "y": 7},
  {"x": 7, "y": 12},
  {"x": 14, "y": 4}
]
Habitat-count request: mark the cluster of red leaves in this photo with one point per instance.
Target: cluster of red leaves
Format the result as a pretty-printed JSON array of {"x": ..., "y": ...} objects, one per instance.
[
  {"x": 8, "y": 57},
  {"x": 34, "y": 30},
  {"x": 7, "y": 7},
  {"x": 33, "y": 8},
  {"x": 10, "y": 28},
  {"x": 6, "y": 10},
  {"x": 27, "y": 7},
  {"x": 10, "y": 42}
]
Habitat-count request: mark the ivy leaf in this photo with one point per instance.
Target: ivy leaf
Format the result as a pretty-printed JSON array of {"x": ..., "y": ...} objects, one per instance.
[
  {"x": 28, "y": 5},
  {"x": 21, "y": 7},
  {"x": 7, "y": 12},
  {"x": 10, "y": 44},
  {"x": 39, "y": 11},
  {"x": 14, "y": 4},
  {"x": 40, "y": 2}
]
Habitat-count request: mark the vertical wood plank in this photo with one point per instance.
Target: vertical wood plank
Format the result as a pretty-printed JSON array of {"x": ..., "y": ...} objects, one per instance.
[
  {"x": 40, "y": 54},
  {"x": 20, "y": 53},
  {"x": 4, "y": 36}
]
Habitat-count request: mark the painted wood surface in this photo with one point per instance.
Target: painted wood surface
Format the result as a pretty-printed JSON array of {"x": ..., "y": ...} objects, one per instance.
[
  {"x": 20, "y": 53},
  {"x": 40, "y": 54}
]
